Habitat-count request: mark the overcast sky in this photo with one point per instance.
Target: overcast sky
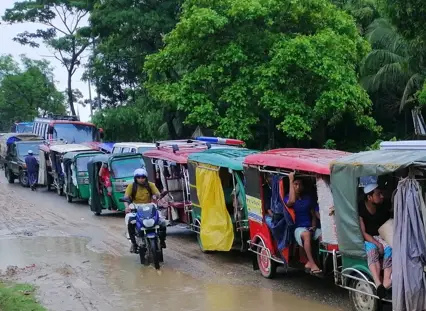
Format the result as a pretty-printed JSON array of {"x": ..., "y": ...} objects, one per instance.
[{"x": 8, "y": 46}]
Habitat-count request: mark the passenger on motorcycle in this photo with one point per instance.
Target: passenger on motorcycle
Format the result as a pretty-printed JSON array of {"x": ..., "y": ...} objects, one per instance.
[{"x": 141, "y": 191}]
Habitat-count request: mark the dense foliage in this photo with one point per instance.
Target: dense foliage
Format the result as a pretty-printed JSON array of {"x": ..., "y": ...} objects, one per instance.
[
  {"x": 324, "y": 73},
  {"x": 27, "y": 91}
]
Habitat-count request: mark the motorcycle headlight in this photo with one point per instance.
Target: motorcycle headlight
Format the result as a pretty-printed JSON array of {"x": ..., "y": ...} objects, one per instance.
[{"x": 148, "y": 223}]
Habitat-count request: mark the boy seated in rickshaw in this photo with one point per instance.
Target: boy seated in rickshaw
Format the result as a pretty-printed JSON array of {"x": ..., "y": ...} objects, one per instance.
[
  {"x": 306, "y": 229},
  {"x": 373, "y": 213}
]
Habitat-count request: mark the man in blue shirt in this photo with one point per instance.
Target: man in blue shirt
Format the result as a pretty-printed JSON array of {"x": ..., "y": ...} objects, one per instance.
[
  {"x": 306, "y": 221},
  {"x": 32, "y": 169}
]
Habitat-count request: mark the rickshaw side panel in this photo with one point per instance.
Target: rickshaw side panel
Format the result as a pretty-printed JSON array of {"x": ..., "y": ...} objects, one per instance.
[{"x": 196, "y": 210}]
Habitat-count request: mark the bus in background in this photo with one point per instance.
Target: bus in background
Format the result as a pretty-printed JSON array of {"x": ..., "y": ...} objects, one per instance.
[
  {"x": 68, "y": 129},
  {"x": 22, "y": 127}
]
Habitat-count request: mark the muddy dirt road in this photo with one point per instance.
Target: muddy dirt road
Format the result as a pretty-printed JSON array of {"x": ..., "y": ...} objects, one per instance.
[{"x": 81, "y": 262}]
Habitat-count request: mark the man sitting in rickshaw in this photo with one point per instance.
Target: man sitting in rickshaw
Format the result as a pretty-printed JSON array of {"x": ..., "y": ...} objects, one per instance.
[
  {"x": 305, "y": 208},
  {"x": 372, "y": 215}
]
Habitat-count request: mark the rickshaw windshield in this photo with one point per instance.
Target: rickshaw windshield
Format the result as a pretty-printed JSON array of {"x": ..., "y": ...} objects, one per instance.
[
  {"x": 82, "y": 163},
  {"x": 125, "y": 167}
]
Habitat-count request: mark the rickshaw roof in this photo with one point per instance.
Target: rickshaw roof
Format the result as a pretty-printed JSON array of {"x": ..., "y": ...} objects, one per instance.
[
  {"x": 308, "y": 160},
  {"x": 71, "y": 155},
  {"x": 13, "y": 137},
  {"x": 105, "y": 158},
  {"x": 345, "y": 174},
  {"x": 180, "y": 156},
  {"x": 64, "y": 148},
  {"x": 135, "y": 144},
  {"x": 226, "y": 157}
]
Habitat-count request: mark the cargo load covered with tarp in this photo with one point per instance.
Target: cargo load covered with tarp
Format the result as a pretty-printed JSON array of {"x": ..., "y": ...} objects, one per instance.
[{"x": 216, "y": 232}]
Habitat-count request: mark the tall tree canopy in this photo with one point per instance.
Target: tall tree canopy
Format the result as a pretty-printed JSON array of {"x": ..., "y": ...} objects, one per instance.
[
  {"x": 68, "y": 39},
  {"x": 127, "y": 31},
  {"x": 27, "y": 92},
  {"x": 235, "y": 64}
]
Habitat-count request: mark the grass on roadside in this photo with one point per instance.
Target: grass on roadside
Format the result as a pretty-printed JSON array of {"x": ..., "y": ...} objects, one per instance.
[{"x": 18, "y": 297}]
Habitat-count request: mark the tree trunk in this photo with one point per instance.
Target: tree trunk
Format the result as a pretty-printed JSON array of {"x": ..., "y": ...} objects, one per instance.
[{"x": 70, "y": 99}]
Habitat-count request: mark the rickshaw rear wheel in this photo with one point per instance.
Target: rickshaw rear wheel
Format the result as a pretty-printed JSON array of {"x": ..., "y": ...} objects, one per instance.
[
  {"x": 361, "y": 302},
  {"x": 267, "y": 266}
]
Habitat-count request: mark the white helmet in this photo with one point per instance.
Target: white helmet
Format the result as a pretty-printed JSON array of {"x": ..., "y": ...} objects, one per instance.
[{"x": 140, "y": 172}]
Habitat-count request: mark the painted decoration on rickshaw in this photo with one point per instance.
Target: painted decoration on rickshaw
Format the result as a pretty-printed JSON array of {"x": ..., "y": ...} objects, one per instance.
[{"x": 254, "y": 208}]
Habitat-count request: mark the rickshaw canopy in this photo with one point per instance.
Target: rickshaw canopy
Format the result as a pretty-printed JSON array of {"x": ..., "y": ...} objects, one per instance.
[
  {"x": 64, "y": 148},
  {"x": 167, "y": 152},
  {"x": 226, "y": 157},
  {"x": 345, "y": 174},
  {"x": 71, "y": 155},
  {"x": 309, "y": 160}
]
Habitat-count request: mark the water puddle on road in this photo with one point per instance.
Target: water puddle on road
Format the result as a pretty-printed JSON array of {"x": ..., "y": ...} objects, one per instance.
[{"x": 106, "y": 282}]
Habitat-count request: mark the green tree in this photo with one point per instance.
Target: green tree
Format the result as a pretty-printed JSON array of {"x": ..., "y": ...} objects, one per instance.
[
  {"x": 28, "y": 92},
  {"x": 68, "y": 40},
  {"x": 126, "y": 31},
  {"x": 235, "y": 65}
]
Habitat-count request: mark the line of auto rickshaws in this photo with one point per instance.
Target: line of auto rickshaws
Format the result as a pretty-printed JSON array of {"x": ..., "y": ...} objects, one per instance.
[{"x": 216, "y": 188}]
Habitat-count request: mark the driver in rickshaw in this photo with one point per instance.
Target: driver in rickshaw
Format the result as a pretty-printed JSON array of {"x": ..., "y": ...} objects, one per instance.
[
  {"x": 305, "y": 209},
  {"x": 372, "y": 215}
]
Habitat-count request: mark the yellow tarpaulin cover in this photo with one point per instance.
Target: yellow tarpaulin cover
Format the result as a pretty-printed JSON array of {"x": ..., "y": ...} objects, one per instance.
[{"x": 217, "y": 232}]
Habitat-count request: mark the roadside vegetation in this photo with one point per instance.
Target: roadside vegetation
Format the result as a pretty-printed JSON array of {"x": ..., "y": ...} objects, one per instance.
[
  {"x": 18, "y": 297},
  {"x": 264, "y": 71}
]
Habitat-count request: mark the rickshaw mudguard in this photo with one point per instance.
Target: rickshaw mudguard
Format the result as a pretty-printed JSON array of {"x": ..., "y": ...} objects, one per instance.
[{"x": 217, "y": 231}]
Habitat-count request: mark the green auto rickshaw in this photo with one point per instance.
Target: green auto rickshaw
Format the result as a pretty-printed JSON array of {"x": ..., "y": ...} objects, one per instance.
[
  {"x": 219, "y": 209},
  {"x": 397, "y": 179},
  {"x": 106, "y": 194},
  {"x": 76, "y": 174}
]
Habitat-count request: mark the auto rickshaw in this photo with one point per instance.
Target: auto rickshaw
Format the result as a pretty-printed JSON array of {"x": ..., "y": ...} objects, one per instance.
[
  {"x": 121, "y": 168},
  {"x": 76, "y": 175},
  {"x": 51, "y": 170},
  {"x": 167, "y": 168},
  {"x": 275, "y": 244},
  {"x": 219, "y": 209},
  {"x": 403, "y": 170}
]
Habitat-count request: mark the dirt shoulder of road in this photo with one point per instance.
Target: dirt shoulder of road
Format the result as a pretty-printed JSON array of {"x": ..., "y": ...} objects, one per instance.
[{"x": 18, "y": 297}]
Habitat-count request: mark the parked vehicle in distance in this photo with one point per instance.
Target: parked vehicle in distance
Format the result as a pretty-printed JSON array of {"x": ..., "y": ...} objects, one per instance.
[
  {"x": 133, "y": 147},
  {"x": 14, "y": 148}
]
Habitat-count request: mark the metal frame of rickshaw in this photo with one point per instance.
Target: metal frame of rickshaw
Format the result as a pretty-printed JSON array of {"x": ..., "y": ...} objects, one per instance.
[
  {"x": 177, "y": 151},
  {"x": 73, "y": 161},
  {"x": 321, "y": 169},
  {"x": 241, "y": 225},
  {"x": 54, "y": 174}
]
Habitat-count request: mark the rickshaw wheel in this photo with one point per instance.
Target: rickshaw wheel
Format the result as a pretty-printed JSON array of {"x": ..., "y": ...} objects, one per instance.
[
  {"x": 267, "y": 266},
  {"x": 361, "y": 302}
]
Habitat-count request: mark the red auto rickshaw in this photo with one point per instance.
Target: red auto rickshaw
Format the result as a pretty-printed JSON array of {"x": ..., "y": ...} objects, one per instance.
[{"x": 313, "y": 166}]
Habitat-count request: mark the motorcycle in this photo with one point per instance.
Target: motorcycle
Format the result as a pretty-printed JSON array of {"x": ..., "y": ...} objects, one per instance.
[{"x": 146, "y": 218}]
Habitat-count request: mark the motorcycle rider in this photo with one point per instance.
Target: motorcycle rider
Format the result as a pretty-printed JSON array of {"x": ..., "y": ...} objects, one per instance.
[{"x": 141, "y": 191}]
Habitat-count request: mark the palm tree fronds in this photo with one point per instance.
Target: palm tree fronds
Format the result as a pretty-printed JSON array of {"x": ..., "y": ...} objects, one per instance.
[{"x": 414, "y": 84}]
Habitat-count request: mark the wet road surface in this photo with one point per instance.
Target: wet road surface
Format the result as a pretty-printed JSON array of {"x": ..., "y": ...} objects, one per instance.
[{"x": 81, "y": 262}]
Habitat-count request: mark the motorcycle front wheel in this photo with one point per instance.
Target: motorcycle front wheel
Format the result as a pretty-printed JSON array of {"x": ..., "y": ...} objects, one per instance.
[{"x": 153, "y": 245}]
